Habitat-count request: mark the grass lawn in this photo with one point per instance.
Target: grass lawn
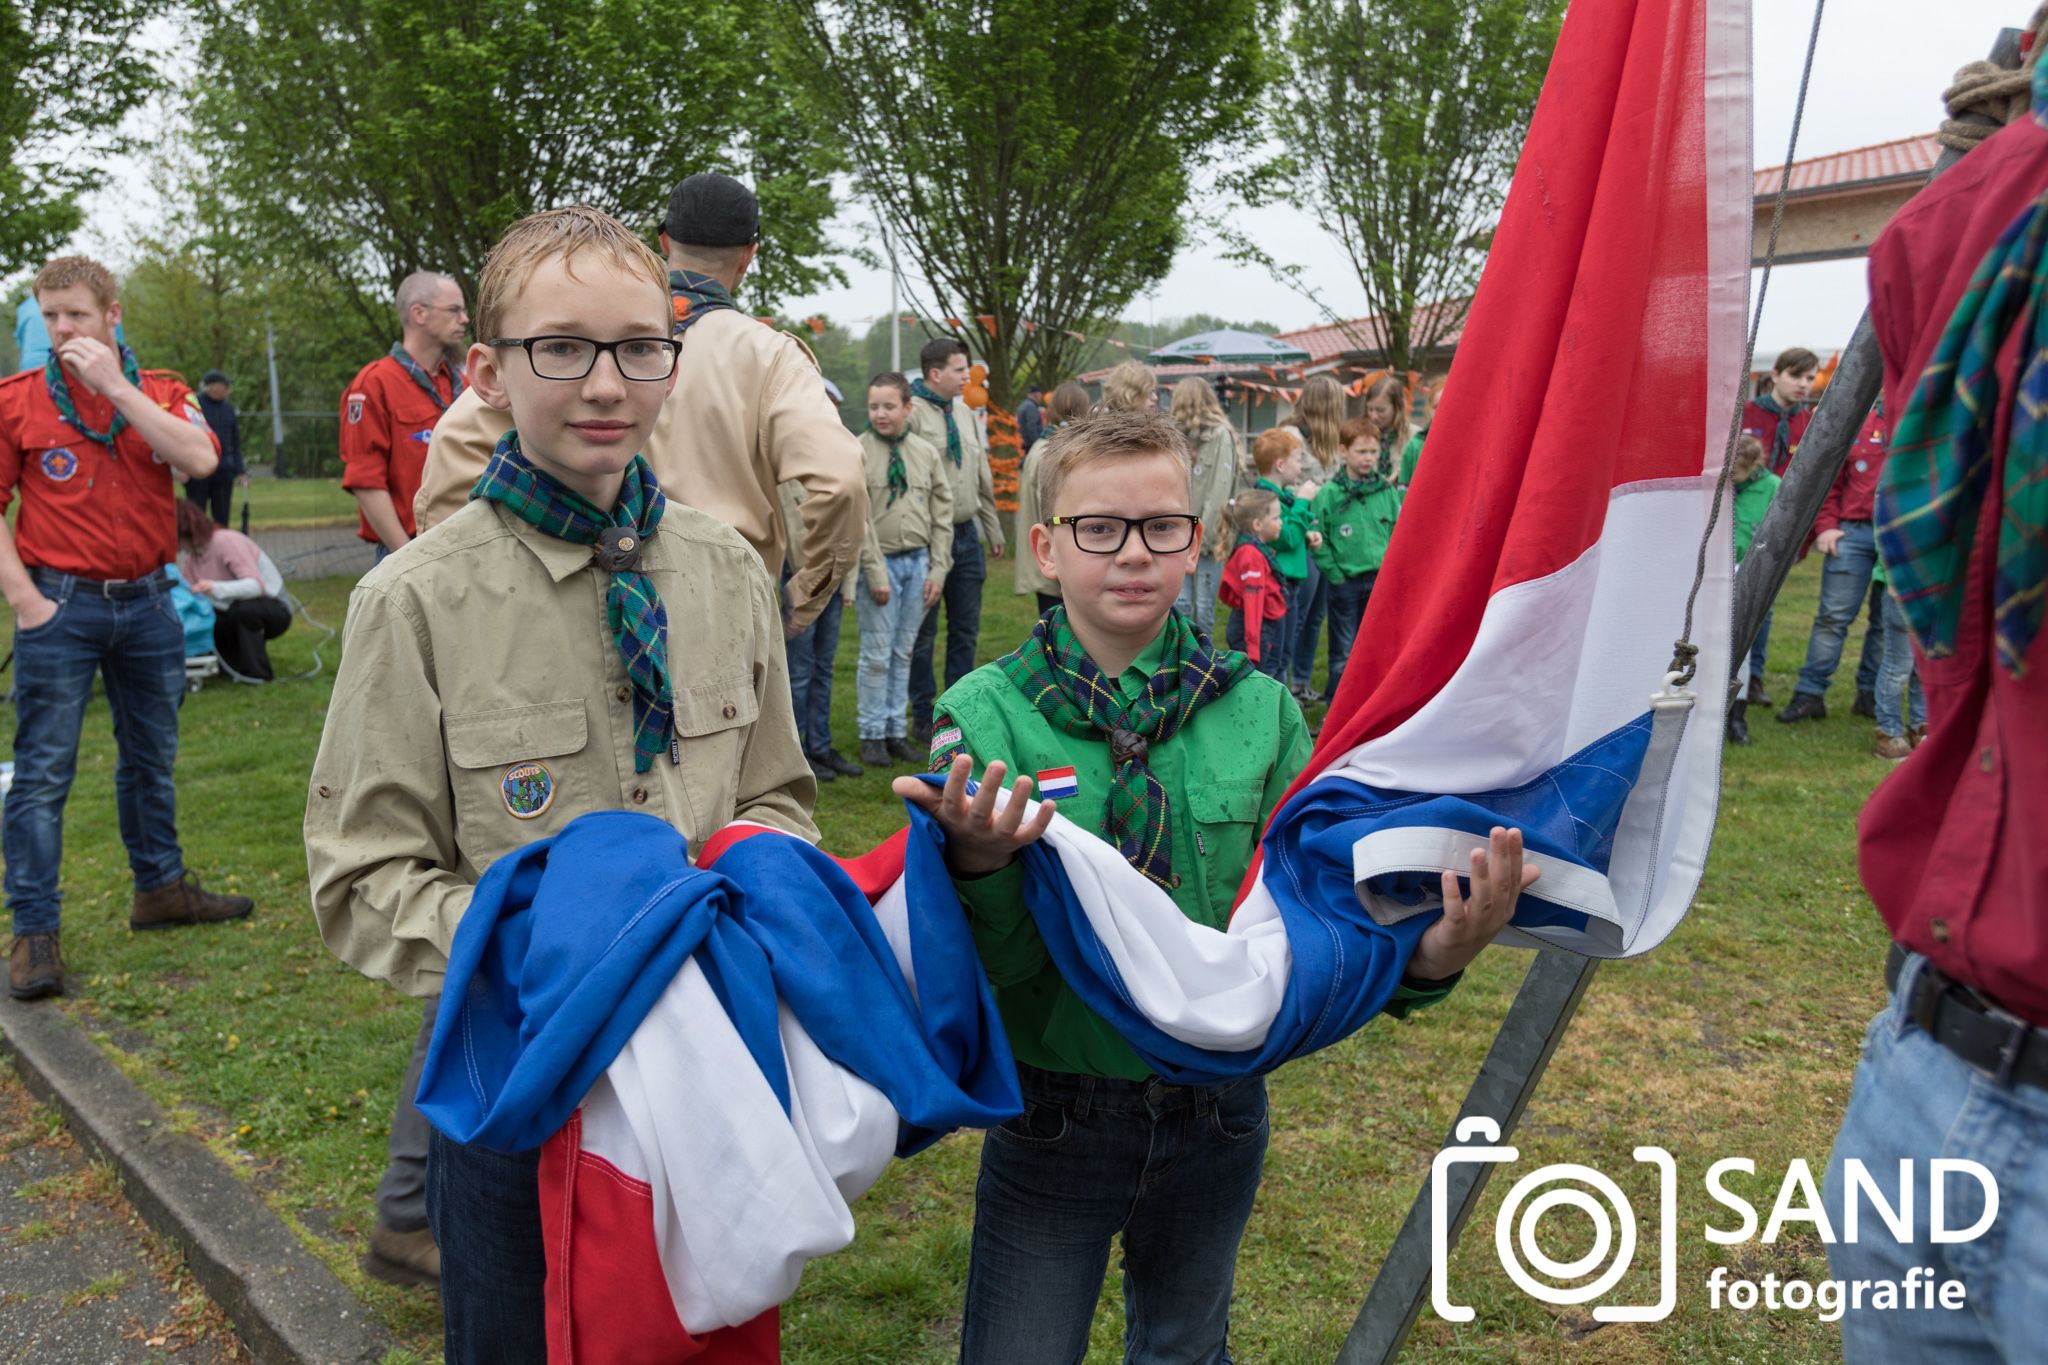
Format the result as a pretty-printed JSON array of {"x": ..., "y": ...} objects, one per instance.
[
  {"x": 278, "y": 503},
  {"x": 1737, "y": 1037}
]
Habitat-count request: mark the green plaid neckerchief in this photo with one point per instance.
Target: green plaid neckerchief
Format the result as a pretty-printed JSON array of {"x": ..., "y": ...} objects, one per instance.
[
  {"x": 639, "y": 622},
  {"x": 1350, "y": 490},
  {"x": 945, "y": 407},
  {"x": 1056, "y": 674},
  {"x": 899, "y": 478},
  {"x": 694, "y": 296},
  {"x": 426, "y": 381},
  {"x": 1932, "y": 491},
  {"x": 60, "y": 394},
  {"x": 1265, "y": 550}
]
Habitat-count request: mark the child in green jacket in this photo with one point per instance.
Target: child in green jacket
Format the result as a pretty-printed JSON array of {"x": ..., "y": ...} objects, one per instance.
[
  {"x": 1755, "y": 485},
  {"x": 1356, "y": 510}
]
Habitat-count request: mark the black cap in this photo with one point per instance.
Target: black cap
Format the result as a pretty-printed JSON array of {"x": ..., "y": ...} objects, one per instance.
[
  {"x": 213, "y": 377},
  {"x": 710, "y": 209}
]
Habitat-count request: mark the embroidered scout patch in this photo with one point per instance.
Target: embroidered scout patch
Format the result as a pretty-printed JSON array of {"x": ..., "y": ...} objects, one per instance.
[
  {"x": 422, "y": 437},
  {"x": 59, "y": 464},
  {"x": 355, "y": 407},
  {"x": 1056, "y": 784},
  {"x": 193, "y": 414},
  {"x": 945, "y": 739},
  {"x": 1345, "y": 530},
  {"x": 529, "y": 789}
]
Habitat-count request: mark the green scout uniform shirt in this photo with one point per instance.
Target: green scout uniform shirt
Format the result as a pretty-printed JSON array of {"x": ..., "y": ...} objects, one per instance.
[
  {"x": 1297, "y": 519},
  {"x": 1411, "y": 455},
  {"x": 920, "y": 518},
  {"x": 1752, "y": 500},
  {"x": 1354, "y": 536},
  {"x": 481, "y": 704},
  {"x": 1211, "y": 484},
  {"x": 974, "y": 488},
  {"x": 1224, "y": 772}
]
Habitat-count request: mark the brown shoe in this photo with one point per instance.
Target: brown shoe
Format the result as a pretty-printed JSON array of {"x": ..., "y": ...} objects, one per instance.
[
  {"x": 1892, "y": 748},
  {"x": 1914, "y": 734},
  {"x": 182, "y": 903},
  {"x": 397, "y": 1257},
  {"x": 34, "y": 967}
]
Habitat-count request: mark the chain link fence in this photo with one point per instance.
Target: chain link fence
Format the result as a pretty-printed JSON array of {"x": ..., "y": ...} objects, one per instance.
[{"x": 311, "y": 449}]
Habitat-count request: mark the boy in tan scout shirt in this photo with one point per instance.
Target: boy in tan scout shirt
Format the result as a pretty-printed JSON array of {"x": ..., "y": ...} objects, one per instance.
[
  {"x": 567, "y": 642},
  {"x": 903, "y": 562}
]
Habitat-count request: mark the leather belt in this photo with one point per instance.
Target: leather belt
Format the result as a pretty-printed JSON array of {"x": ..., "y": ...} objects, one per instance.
[
  {"x": 113, "y": 589},
  {"x": 2003, "y": 1046}
]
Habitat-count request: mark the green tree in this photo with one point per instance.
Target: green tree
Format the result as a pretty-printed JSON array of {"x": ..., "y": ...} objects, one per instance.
[
  {"x": 74, "y": 71},
  {"x": 1032, "y": 158},
  {"x": 371, "y": 138},
  {"x": 1401, "y": 121}
]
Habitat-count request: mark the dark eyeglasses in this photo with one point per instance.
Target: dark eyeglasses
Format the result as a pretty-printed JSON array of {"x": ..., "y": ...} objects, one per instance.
[
  {"x": 644, "y": 359},
  {"x": 1103, "y": 535}
]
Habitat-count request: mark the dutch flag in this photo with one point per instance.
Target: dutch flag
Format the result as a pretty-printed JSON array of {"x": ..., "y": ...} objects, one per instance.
[{"x": 1056, "y": 784}]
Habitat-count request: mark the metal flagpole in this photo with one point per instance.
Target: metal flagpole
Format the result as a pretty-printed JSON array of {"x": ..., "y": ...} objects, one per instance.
[
  {"x": 276, "y": 405},
  {"x": 1556, "y": 981}
]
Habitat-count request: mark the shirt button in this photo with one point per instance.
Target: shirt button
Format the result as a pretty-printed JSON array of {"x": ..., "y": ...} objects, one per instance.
[
  {"x": 1176, "y": 881},
  {"x": 1986, "y": 759},
  {"x": 639, "y": 796},
  {"x": 624, "y": 694},
  {"x": 730, "y": 711},
  {"x": 325, "y": 792},
  {"x": 1939, "y": 928}
]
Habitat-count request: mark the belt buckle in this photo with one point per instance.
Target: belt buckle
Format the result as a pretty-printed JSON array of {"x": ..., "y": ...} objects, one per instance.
[{"x": 2017, "y": 1033}]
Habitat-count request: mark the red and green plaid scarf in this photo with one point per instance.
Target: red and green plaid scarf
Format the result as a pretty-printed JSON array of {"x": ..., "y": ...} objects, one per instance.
[
  {"x": 945, "y": 407},
  {"x": 694, "y": 296},
  {"x": 639, "y": 623},
  {"x": 1056, "y": 674},
  {"x": 60, "y": 394},
  {"x": 1933, "y": 489},
  {"x": 418, "y": 374}
]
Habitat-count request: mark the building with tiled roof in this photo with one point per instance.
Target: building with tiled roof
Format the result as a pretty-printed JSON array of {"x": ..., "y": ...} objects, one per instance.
[{"x": 1835, "y": 205}]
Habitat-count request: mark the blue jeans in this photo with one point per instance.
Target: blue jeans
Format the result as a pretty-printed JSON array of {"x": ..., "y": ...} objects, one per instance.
[
  {"x": 1347, "y": 609},
  {"x": 887, "y": 636},
  {"x": 1306, "y": 611},
  {"x": 1197, "y": 600},
  {"x": 484, "y": 1208},
  {"x": 962, "y": 601},
  {"x": 1762, "y": 647},
  {"x": 1900, "y": 704},
  {"x": 1173, "y": 1169},
  {"x": 810, "y": 674},
  {"x": 137, "y": 647},
  {"x": 1914, "y": 1099},
  {"x": 1273, "y": 639},
  {"x": 1843, "y": 583},
  {"x": 1871, "y": 661}
]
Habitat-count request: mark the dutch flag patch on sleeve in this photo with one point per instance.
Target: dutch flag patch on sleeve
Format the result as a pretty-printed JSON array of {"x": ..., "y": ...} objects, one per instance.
[{"x": 1056, "y": 784}]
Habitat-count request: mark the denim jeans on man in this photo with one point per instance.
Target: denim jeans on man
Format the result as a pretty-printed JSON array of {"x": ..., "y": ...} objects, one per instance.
[
  {"x": 811, "y": 654},
  {"x": 1198, "y": 591},
  {"x": 1914, "y": 1100},
  {"x": 1871, "y": 660},
  {"x": 136, "y": 646},
  {"x": 1172, "y": 1169},
  {"x": 887, "y": 636},
  {"x": 1306, "y": 606},
  {"x": 1900, "y": 704},
  {"x": 962, "y": 601},
  {"x": 1843, "y": 582},
  {"x": 1347, "y": 609},
  {"x": 484, "y": 1208}
]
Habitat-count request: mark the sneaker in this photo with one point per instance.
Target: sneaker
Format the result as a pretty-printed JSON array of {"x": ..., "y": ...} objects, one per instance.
[
  {"x": 1757, "y": 696},
  {"x": 1892, "y": 748},
  {"x": 1865, "y": 706},
  {"x": 840, "y": 763},
  {"x": 185, "y": 902},
  {"x": 906, "y": 752},
  {"x": 1804, "y": 706},
  {"x": 921, "y": 733},
  {"x": 820, "y": 769},
  {"x": 34, "y": 967},
  {"x": 875, "y": 753},
  {"x": 401, "y": 1257},
  {"x": 1738, "y": 722}
]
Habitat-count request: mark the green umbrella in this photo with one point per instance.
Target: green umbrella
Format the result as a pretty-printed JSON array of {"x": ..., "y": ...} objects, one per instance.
[{"x": 1229, "y": 346}]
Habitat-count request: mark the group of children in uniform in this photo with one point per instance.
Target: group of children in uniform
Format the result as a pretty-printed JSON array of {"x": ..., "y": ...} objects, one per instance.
[{"x": 571, "y": 643}]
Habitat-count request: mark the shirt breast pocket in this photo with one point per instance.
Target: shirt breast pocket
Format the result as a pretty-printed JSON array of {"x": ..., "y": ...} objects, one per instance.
[
  {"x": 713, "y": 721},
  {"x": 518, "y": 775},
  {"x": 1226, "y": 817}
]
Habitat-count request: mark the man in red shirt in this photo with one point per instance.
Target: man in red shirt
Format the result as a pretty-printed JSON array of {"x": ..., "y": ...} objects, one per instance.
[
  {"x": 90, "y": 442},
  {"x": 1956, "y": 1066},
  {"x": 1777, "y": 417},
  {"x": 389, "y": 409}
]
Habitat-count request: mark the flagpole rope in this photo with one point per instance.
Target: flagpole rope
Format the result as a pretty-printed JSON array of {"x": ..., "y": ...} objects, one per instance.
[{"x": 1685, "y": 654}]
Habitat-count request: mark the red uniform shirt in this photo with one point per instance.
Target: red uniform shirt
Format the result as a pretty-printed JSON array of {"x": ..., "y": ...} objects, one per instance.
[
  {"x": 1252, "y": 586},
  {"x": 386, "y": 422},
  {"x": 1855, "y": 487},
  {"x": 87, "y": 509},
  {"x": 1952, "y": 843},
  {"x": 1760, "y": 422}
]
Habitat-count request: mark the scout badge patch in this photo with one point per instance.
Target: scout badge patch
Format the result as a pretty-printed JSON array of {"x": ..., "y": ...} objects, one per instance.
[
  {"x": 1057, "y": 784},
  {"x": 529, "y": 789},
  {"x": 355, "y": 408},
  {"x": 946, "y": 742},
  {"x": 59, "y": 464}
]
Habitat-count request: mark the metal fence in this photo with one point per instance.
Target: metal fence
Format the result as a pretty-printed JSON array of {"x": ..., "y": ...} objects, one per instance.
[{"x": 311, "y": 449}]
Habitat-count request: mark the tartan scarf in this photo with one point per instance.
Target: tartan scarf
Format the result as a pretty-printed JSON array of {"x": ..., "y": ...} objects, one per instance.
[
  {"x": 60, "y": 394},
  {"x": 1053, "y": 670},
  {"x": 1935, "y": 478},
  {"x": 426, "y": 381},
  {"x": 1272, "y": 560},
  {"x": 899, "y": 477},
  {"x": 1350, "y": 490},
  {"x": 694, "y": 296},
  {"x": 945, "y": 407},
  {"x": 1781, "y": 440},
  {"x": 639, "y": 622}
]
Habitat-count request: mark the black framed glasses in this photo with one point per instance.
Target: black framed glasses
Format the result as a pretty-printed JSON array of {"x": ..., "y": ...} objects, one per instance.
[
  {"x": 645, "y": 359},
  {"x": 1105, "y": 535}
]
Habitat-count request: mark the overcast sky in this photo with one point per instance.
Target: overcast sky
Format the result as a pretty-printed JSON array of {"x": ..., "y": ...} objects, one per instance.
[{"x": 1878, "y": 75}]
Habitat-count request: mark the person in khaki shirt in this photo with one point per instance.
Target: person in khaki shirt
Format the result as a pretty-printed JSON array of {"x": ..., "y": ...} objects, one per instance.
[
  {"x": 747, "y": 412},
  {"x": 812, "y": 650},
  {"x": 568, "y": 642},
  {"x": 905, "y": 560},
  {"x": 939, "y": 418}
]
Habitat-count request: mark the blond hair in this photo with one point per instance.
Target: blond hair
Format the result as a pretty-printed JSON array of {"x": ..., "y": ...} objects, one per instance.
[
  {"x": 556, "y": 234},
  {"x": 1249, "y": 508},
  {"x": 1195, "y": 408},
  {"x": 1749, "y": 457},
  {"x": 1128, "y": 387},
  {"x": 1396, "y": 393},
  {"x": 1321, "y": 410},
  {"x": 1107, "y": 435},
  {"x": 1272, "y": 447},
  {"x": 63, "y": 272}
]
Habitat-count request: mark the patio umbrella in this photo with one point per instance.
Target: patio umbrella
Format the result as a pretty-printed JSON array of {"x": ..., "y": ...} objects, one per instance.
[{"x": 1230, "y": 347}]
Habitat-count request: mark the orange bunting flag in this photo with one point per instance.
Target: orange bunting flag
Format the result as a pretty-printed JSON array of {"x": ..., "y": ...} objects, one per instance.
[
  {"x": 1029, "y": 326},
  {"x": 817, "y": 326},
  {"x": 988, "y": 322},
  {"x": 954, "y": 323},
  {"x": 1077, "y": 336}
]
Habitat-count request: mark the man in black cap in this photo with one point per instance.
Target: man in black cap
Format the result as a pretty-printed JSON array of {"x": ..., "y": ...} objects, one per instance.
[{"x": 216, "y": 492}]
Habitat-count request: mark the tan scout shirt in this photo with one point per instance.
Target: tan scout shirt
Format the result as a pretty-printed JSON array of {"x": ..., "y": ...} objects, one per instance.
[
  {"x": 480, "y": 654},
  {"x": 974, "y": 488},
  {"x": 747, "y": 412},
  {"x": 1029, "y": 577},
  {"x": 922, "y": 518}
]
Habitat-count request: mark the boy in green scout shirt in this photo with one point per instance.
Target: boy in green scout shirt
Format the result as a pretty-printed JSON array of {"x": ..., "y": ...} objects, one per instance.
[
  {"x": 568, "y": 642},
  {"x": 1755, "y": 486},
  {"x": 1356, "y": 511},
  {"x": 903, "y": 564},
  {"x": 1104, "y": 1147}
]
